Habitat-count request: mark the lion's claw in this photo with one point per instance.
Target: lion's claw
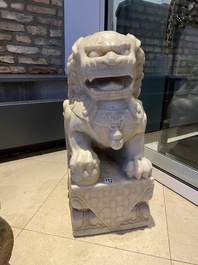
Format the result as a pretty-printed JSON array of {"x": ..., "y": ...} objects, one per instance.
[
  {"x": 84, "y": 167},
  {"x": 138, "y": 168}
]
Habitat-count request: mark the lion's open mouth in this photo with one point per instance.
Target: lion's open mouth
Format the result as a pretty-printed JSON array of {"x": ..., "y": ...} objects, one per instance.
[{"x": 110, "y": 83}]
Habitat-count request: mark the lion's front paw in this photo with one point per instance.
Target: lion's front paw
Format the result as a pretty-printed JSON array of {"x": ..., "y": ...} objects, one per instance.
[
  {"x": 85, "y": 167},
  {"x": 138, "y": 168}
]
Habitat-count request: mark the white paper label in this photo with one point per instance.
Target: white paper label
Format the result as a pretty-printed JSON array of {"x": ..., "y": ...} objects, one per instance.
[{"x": 108, "y": 180}]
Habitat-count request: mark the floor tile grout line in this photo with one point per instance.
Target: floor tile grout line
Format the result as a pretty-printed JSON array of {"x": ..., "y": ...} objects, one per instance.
[
  {"x": 97, "y": 244},
  {"x": 172, "y": 259},
  {"x": 186, "y": 262},
  {"x": 45, "y": 200},
  {"x": 18, "y": 233},
  {"x": 24, "y": 228},
  {"x": 169, "y": 245}
]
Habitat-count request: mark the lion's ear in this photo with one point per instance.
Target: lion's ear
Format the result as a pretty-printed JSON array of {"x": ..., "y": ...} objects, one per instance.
[
  {"x": 133, "y": 40},
  {"x": 75, "y": 46}
]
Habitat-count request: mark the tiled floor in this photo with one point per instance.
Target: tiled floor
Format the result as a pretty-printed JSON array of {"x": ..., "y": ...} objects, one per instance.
[{"x": 33, "y": 195}]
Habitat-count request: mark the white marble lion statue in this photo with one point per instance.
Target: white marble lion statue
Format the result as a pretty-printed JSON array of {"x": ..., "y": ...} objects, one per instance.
[{"x": 105, "y": 72}]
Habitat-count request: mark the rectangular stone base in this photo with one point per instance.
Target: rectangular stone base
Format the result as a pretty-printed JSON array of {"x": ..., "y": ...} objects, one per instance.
[
  {"x": 87, "y": 224},
  {"x": 114, "y": 203}
]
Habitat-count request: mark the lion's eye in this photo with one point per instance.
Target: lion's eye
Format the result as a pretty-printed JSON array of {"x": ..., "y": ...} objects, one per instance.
[
  {"x": 124, "y": 51},
  {"x": 94, "y": 54}
]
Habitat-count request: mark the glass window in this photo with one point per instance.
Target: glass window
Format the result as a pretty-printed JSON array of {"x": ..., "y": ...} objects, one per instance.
[{"x": 168, "y": 34}]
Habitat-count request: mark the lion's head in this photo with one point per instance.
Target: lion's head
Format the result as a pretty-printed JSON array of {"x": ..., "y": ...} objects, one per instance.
[{"x": 106, "y": 65}]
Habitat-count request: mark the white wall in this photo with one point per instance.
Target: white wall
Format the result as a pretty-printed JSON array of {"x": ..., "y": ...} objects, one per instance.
[{"x": 82, "y": 18}]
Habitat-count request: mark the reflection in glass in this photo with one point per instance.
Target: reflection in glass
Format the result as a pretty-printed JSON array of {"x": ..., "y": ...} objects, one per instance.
[
  {"x": 179, "y": 135},
  {"x": 168, "y": 31}
]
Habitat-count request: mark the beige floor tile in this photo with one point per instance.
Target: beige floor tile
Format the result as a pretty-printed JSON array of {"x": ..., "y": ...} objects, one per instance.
[
  {"x": 24, "y": 186},
  {"x": 54, "y": 218},
  {"x": 34, "y": 249},
  {"x": 54, "y": 215},
  {"x": 182, "y": 218},
  {"x": 16, "y": 231},
  {"x": 53, "y": 157},
  {"x": 181, "y": 263}
]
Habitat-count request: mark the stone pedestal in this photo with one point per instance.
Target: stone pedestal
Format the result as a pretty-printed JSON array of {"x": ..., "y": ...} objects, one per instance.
[
  {"x": 109, "y": 189},
  {"x": 114, "y": 203}
]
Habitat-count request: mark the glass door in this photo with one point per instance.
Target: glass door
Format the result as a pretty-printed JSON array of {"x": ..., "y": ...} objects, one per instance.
[{"x": 168, "y": 34}]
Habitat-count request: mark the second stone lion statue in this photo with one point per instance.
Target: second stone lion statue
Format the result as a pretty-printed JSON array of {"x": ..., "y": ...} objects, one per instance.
[{"x": 105, "y": 73}]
